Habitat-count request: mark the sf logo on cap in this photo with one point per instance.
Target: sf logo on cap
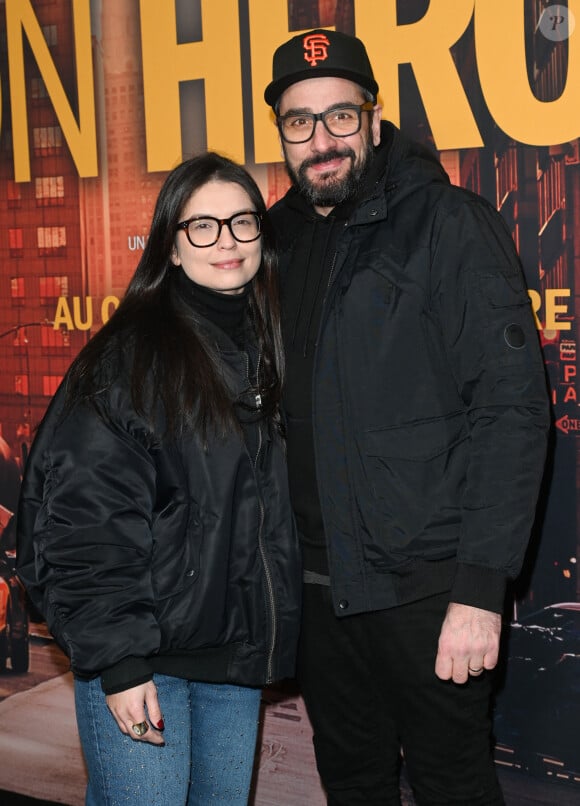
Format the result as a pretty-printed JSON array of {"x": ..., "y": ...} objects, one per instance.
[{"x": 315, "y": 48}]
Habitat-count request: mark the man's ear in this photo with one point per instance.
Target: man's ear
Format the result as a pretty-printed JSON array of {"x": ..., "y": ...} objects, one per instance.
[
  {"x": 376, "y": 124},
  {"x": 281, "y": 144}
]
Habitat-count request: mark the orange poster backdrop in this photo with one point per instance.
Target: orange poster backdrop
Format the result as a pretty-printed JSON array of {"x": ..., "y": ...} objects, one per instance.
[{"x": 101, "y": 98}]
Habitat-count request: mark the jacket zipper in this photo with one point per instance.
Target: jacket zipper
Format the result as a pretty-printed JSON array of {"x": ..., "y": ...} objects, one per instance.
[
  {"x": 331, "y": 276},
  {"x": 258, "y": 401},
  {"x": 332, "y": 268},
  {"x": 261, "y": 546},
  {"x": 258, "y": 398},
  {"x": 271, "y": 598}
]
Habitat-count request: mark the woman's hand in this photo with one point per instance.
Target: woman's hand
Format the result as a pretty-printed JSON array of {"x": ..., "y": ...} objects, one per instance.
[{"x": 130, "y": 709}]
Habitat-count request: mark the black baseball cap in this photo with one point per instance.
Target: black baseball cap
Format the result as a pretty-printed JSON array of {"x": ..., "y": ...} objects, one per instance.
[{"x": 316, "y": 54}]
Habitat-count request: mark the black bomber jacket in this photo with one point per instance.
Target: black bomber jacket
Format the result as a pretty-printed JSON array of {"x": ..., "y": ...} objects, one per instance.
[
  {"x": 429, "y": 399},
  {"x": 142, "y": 551}
]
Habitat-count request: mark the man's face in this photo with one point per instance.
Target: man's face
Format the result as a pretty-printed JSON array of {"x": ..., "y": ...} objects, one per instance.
[{"x": 327, "y": 169}]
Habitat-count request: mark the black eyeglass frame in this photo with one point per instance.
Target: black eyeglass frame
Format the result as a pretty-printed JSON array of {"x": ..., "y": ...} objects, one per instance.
[
  {"x": 184, "y": 225},
  {"x": 368, "y": 106}
]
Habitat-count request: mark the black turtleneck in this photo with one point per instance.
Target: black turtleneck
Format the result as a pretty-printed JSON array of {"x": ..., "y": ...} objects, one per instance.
[{"x": 226, "y": 311}]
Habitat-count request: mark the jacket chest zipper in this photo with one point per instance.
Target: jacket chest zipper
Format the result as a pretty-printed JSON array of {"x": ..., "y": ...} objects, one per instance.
[
  {"x": 258, "y": 401},
  {"x": 328, "y": 285},
  {"x": 332, "y": 268},
  {"x": 258, "y": 396},
  {"x": 333, "y": 265},
  {"x": 261, "y": 545}
]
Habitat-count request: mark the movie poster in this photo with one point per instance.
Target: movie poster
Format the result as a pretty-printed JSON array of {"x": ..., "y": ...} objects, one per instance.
[{"x": 99, "y": 100}]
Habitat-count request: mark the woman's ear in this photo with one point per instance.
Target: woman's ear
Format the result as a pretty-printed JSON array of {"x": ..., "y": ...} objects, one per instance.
[{"x": 174, "y": 255}]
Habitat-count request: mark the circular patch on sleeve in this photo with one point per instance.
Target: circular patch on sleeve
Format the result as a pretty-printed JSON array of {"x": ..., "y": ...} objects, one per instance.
[{"x": 514, "y": 337}]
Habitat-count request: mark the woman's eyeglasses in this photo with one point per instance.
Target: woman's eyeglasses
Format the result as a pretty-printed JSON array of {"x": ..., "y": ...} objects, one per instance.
[{"x": 202, "y": 231}]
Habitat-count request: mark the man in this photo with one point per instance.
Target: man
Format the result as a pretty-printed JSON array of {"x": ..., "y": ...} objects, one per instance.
[{"x": 417, "y": 418}]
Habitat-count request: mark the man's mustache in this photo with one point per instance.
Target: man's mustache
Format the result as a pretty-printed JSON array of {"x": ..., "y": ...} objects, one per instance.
[{"x": 333, "y": 154}]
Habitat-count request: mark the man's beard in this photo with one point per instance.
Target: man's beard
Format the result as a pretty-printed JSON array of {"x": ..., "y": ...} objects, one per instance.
[{"x": 332, "y": 191}]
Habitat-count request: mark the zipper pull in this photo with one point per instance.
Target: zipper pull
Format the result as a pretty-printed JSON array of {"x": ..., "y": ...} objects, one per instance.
[{"x": 259, "y": 401}]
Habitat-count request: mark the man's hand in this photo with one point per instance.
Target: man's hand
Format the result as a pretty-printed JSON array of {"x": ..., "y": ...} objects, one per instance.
[{"x": 468, "y": 643}]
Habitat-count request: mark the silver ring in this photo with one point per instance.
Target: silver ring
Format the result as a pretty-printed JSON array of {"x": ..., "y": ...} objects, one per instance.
[{"x": 140, "y": 729}]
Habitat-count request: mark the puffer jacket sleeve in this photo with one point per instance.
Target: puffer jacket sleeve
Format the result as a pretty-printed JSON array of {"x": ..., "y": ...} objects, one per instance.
[
  {"x": 84, "y": 534},
  {"x": 480, "y": 298}
]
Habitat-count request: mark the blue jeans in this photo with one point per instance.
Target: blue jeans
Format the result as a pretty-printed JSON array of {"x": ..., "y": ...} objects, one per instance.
[{"x": 210, "y": 741}]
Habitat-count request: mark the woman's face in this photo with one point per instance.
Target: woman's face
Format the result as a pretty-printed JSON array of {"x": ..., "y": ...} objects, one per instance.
[{"x": 228, "y": 265}]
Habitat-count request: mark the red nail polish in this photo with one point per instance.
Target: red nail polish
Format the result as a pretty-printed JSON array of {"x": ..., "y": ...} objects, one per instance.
[{"x": 161, "y": 725}]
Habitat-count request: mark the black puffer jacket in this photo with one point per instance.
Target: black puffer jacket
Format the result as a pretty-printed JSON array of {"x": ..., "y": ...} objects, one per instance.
[
  {"x": 429, "y": 400},
  {"x": 141, "y": 551}
]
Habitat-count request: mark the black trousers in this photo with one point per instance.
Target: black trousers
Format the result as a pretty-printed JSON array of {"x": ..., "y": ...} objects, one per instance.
[{"x": 371, "y": 692}]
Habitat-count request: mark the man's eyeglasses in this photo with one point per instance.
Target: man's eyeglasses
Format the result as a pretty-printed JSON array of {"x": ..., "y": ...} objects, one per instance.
[
  {"x": 204, "y": 231},
  {"x": 340, "y": 121}
]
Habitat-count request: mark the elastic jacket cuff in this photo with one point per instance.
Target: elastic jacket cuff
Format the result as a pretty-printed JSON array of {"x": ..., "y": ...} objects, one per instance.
[
  {"x": 128, "y": 673},
  {"x": 478, "y": 586}
]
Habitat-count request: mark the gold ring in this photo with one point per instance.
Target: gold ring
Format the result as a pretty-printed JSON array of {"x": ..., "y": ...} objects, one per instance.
[
  {"x": 140, "y": 729},
  {"x": 475, "y": 671}
]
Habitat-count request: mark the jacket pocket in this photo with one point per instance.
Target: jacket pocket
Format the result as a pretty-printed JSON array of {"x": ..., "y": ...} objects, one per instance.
[
  {"x": 505, "y": 310},
  {"x": 504, "y": 290},
  {"x": 415, "y": 472},
  {"x": 177, "y": 540}
]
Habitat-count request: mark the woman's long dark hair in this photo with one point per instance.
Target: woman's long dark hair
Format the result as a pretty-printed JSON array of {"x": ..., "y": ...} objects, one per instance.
[{"x": 170, "y": 360}]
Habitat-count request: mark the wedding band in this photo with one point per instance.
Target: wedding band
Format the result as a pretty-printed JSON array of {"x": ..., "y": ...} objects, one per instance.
[
  {"x": 140, "y": 729},
  {"x": 475, "y": 671}
]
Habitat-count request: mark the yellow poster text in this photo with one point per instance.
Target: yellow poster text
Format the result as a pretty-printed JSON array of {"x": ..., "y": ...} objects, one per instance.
[{"x": 219, "y": 60}]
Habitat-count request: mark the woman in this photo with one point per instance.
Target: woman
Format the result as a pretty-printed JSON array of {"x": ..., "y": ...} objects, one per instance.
[{"x": 155, "y": 531}]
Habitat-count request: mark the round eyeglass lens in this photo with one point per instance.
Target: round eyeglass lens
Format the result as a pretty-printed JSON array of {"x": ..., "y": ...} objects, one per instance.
[{"x": 245, "y": 227}]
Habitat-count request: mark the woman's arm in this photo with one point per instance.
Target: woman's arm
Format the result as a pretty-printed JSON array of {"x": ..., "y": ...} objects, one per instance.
[{"x": 84, "y": 543}]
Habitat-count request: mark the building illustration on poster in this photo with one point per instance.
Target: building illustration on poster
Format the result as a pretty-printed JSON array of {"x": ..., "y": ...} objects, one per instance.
[{"x": 81, "y": 162}]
